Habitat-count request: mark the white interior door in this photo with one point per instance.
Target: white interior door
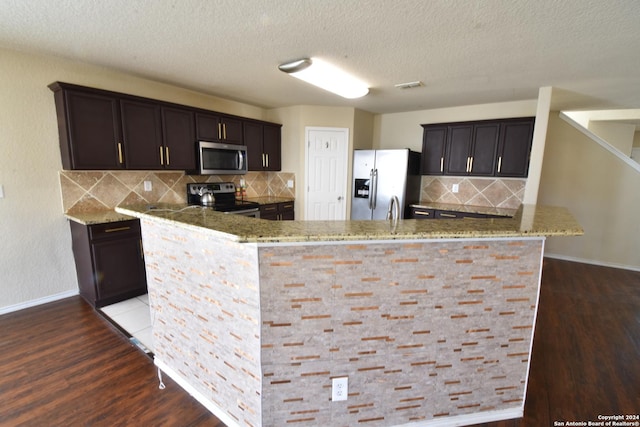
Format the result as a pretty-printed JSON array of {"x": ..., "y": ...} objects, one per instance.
[{"x": 327, "y": 155}]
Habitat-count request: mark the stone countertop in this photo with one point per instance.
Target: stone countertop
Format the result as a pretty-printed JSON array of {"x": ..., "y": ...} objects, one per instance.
[
  {"x": 466, "y": 208},
  {"x": 529, "y": 221},
  {"x": 109, "y": 215},
  {"x": 97, "y": 217}
]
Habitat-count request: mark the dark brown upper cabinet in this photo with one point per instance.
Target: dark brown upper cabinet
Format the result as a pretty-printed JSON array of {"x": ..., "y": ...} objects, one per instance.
[
  {"x": 89, "y": 129},
  {"x": 219, "y": 128},
  {"x": 480, "y": 148},
  {"x": 434, "y": 141},
  {"x": 514, "y": 150},
  {"x": 106, "y": 130},
  {"x": 141, "y": 134},
  {"x": 263, "y": 143},
  {"x": 178, "y": 139}
]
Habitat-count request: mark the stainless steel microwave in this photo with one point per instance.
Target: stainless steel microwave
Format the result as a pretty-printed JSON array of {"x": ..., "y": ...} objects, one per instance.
[{"x": 216, "y": 158}]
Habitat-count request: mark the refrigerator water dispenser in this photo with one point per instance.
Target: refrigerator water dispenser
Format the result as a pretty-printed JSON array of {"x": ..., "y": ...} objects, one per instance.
[{"x": 362, "y": 188}]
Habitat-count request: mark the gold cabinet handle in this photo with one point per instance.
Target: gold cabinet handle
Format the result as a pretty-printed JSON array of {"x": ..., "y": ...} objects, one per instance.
[
  {"x": 468, "y": 158},
  {"x": 267, "y": 159},
  {"x": 422, "y": 213},
  {"x": 161, "y": 156},
  {"x": 447, "y": 215},
  {"x": 219, "y": 130},
  {"x": 114, "y": 230},
  {"x": 441, "y": 164},
  {"x": 167, "y": 156},
  {"x": 471, "y": 164},
  {"x": 120, "y": 159},
  {"x": 263, "y": 162},
  {"x": 224, "y": 131},
  {"x": 499, "y": 163}
]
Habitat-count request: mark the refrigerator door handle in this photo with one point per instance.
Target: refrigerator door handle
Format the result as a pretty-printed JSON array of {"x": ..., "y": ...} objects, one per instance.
[{"x": 373, "y": 200}]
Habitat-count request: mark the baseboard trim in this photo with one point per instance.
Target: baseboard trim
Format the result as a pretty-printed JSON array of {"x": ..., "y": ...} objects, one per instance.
[
  {"x": 592, "y": 262},
  {"x": 38, "y": 301},
  {"x": 207, "y": 403},
  {"x": 458, "y": 420},
  {"x": 470, "y": 419}
]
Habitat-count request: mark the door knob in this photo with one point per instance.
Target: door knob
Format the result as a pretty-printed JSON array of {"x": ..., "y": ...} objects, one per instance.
[{"x": 339, "y": 198}]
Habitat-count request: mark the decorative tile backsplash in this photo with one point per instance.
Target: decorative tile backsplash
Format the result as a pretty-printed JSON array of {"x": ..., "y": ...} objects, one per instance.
[
  {"x": 492, "y": 192},
  {"x": 86, "y": 191}
]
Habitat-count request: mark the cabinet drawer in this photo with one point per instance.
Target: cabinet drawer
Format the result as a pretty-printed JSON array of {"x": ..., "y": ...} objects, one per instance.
[
  {"x": 448, "y": 214},
  {"x": 286, "y": 206},
  {"x": 421, "y": 213},
  {"x": 114, "y": 229},
  {"x": 278, "y": 211}
]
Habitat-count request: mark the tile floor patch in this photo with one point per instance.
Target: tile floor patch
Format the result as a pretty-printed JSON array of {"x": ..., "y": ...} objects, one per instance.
[{"x": 134, "y": 317}]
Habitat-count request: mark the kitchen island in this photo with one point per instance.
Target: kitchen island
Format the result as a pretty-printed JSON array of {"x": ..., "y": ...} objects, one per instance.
[{"x": 431, "y": 321}]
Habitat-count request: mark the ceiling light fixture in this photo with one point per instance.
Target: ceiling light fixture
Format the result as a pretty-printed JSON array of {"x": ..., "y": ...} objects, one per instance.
[{"x": 326, "y": 76}]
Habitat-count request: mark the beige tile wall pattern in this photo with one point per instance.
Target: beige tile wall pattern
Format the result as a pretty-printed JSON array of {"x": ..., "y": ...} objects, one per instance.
[
  {"x": 499, "y": 193},
  {"x": 85, "y": 191},
  {"x": 423, "y": 330}
]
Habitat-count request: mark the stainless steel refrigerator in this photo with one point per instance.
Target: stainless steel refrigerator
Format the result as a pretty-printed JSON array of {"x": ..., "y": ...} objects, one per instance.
[{"x": 379, "y": 176}]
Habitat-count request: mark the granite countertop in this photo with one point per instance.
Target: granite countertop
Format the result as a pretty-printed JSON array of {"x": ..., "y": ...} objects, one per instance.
[
  {"x": 528, "y": 221},
  {"x": 109, "y": 215},
  {"x": 97, "y": 217}
]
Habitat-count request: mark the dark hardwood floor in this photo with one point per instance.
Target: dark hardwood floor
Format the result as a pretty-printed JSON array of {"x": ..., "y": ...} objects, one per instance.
[{"x": 61, "y": 364}]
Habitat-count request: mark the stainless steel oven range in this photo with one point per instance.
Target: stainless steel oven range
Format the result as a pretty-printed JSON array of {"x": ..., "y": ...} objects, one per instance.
[{"x": 224, "y": 198}]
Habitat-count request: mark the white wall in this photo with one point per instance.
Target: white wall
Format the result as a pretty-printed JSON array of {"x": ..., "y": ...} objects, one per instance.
[
  {"x": 601, "y": 191},
  {"x": 36, "y": 261},
  {"x": 620, "y": 135}
]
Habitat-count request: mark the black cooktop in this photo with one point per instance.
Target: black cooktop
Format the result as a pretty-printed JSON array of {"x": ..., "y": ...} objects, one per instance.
[{"x": 224, "y": 194}]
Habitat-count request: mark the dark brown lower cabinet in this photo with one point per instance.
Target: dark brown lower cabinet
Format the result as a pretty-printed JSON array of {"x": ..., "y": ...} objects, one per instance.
[
  {"x": 416, "y": 212},
  {"x": 278, "y": 211},
  {"x": 109, "y": 261}
]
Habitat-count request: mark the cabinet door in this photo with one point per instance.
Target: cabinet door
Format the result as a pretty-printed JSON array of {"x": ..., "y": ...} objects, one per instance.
[
  {"x": 287, "y": 211},
  {"x": 119, "y": 268},
  {"x": 232, "y": 131},
  {"x": 434, "y": 139},
  {"x": 207, "y": 127},
  {"x": 93, "y": 131},
  {"x": 210, "y": 127},
  {"x": 485, "y": 144},
  {"x": 253, "y": 139},
  {"x": 269, "y": 211},
  {"x": 142, "y": 134},
  {"x": 272, "y": 147},
  {"x": 515, "y": 147},
  {"x": 179, "y": 139},
  {"x": 458, "y": 153}
]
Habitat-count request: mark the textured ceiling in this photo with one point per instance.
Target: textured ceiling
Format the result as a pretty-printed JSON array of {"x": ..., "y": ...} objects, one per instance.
[{"x": 466, "y": 52}]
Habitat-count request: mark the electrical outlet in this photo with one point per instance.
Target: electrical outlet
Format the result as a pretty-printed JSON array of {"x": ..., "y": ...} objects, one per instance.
[
  {"x": 455, "y": 188},
  {"x": 339, "y": 388},
  {"x": 148, "y": 186},
  {"x": 290, "y": 183}
]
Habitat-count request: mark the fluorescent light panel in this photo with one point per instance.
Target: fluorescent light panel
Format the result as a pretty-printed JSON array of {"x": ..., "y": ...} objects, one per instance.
[{"x": 326, "y": 76}]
